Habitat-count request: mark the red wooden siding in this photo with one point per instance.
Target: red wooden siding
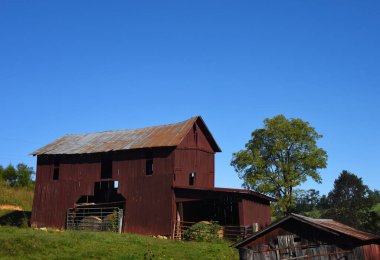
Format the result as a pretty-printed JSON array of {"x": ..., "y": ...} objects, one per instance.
[
  {"x": 195, "y": 156},
  {"x": 146, "y": 196},
  {"x": 254, "y": 212},
  {"x": 148, "y": 201}
]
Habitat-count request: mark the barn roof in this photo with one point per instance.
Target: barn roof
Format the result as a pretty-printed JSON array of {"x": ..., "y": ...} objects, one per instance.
[
  {"x": 328, "y": 225},
  {"x": 157, "y": 136}
]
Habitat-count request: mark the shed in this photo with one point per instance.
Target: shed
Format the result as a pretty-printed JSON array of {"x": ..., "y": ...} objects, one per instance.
[{"x": 300, "y": 237}]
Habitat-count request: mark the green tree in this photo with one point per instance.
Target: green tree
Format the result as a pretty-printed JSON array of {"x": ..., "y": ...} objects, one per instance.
[
  {"x": 24, "y": 175},
  {"x": 1, "y": 174},
  {"x": 19, "y": 176},
  {"x": 10, "y": 175},
  {"x": 279, "y": 157},
  {"x": 306, "y": 200},
  {"x": 350, "y": 202}
]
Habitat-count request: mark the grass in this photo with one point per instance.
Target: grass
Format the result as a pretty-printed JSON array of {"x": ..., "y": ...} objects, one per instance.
[
  {"x": 376, "y": 208},
  {"x": 27, "y": 243},
  {"x": 22, "y": 197}
]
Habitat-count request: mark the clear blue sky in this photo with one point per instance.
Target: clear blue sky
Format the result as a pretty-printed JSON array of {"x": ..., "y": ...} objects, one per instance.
[{"x": 87, "y": 66}]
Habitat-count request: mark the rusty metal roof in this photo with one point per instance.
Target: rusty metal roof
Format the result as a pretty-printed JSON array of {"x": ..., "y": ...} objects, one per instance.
[
  {"x": 149, "y": 137},
  {"x": 338, "y": 227},
  {"x": 328, "y": 225}
]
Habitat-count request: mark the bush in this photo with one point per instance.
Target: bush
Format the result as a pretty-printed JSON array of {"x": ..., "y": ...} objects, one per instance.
[{"x": 203, "y": 231}]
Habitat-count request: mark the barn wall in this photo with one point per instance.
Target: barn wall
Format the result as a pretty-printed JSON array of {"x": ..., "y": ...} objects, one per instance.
[
  {"x": 200, "y": 162},
  {"x": 149, "y": 199},
  {"x": 195, "y": 155},
  {"x": 53, "y": 197},
  {"x": 146, "y": 196},
  {"x": 198, "y": 140},
  {"x": 254, "y": 212}
]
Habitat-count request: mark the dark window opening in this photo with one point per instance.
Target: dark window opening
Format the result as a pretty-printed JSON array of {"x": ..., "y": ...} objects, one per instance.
[
  {"x": 195, "y": 134},
  {"x": 192, "y": 178},
  {"x": 104, "y": 192},
  {"x": 149, "y": 167},
  {"x": 106, "y": 166},
  {"x": 149, "y": 163},
  {"x": 56, "y": 169}
]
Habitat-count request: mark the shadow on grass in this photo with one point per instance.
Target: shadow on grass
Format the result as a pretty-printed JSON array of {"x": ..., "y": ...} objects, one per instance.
[{"x": 16, "y": 219}]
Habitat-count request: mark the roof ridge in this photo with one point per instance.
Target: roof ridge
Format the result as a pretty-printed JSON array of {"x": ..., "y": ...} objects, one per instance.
[
  {"x": 134, "y": 129},
  {"x": 169, "y": 135}
]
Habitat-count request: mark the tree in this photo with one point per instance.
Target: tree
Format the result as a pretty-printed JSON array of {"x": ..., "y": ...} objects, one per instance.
[
  {"x": 24, "y": 175},
  {"x": 10, "y": 175},
  {"x": 1, "y": 174},
  {"x": 350, "y": 202},
  {"x": 279, "y": 157},
  {"x": 19, "y": 176},
  {"x": 306, "y": 200}
]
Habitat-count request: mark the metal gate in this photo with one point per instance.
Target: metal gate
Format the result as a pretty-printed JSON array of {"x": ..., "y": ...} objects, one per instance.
[{"x": 95, "y": 219}]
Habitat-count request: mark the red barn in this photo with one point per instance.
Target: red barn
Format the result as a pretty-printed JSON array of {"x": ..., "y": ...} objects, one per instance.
[{"x": 159, "y": 176}]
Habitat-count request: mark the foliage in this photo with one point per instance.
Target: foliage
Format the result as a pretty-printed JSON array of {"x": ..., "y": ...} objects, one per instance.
[
  {"x": 19, "y": 176},
  {"x": 306, "y": 200},
  {"x": 203, "y": 231},
  {"x": 26, "y": 243},
  {"x": 17, "y": 196},
  {"x": 279, "y": 157},
  {"x": 350, "y": 203}
]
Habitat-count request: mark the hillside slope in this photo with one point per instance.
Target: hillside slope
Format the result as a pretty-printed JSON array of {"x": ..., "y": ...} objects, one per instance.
[{"x": 23, "y": 243}]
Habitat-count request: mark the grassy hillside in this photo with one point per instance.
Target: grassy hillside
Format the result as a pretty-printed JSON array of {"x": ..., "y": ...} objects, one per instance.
[
  {"x": 22, "y": 197},
  {"x": 28, "y": 243}
]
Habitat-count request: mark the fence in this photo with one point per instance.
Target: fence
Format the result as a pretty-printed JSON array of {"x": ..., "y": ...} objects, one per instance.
[
  {"x": 232, "y": 233},
  {"x": 95, "y": 219}
]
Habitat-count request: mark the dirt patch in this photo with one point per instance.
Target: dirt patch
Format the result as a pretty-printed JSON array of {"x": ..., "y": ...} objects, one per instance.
[{"x": 10, "y": 207}]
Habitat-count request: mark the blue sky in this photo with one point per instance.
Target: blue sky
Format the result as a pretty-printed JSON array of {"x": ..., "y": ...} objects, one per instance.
[{"x": 87, "y": 66}]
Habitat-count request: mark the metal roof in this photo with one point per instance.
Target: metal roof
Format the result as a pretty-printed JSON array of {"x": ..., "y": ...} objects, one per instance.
[
  {"x": 149, "y": 137},
  {"x": 338, "y": 227},
  {"x": 328, "y": 225}
]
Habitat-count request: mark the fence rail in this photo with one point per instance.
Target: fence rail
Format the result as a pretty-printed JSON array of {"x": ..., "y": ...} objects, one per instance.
[
  {"x": 95, "y": 219},
  {"x": 232, "y": 233}
]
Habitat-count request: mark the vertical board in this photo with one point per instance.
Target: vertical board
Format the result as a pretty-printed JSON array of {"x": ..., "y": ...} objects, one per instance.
[{"x": 251, "y": 211}]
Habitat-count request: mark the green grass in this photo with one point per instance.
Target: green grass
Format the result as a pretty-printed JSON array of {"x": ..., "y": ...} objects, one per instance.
[
  {"x": 27, "y": 243},
  {"x": 22, "y": 197},
  {"x": 376, "y": 208}
]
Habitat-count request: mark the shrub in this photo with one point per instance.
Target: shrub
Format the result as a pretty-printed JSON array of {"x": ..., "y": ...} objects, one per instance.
[{"x": 203, "y": 231}]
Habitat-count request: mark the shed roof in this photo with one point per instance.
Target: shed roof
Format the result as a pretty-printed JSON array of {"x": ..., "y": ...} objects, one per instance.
[
  {"x": 157, "y": 136},
  {"x": 328, "y": 225}
]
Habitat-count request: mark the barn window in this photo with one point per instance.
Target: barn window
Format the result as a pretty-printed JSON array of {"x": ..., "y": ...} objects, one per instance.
[
  {"x": 149, "y": 167},
  {"x": 56, "y": 169},
  {"x": 106, "y": 166},
  {"x": 149, "y": 163},
  {"x": 192, "y": 177}
]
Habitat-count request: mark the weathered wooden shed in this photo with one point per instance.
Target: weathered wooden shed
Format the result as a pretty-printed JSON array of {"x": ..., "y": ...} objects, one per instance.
[
  {"x": 300, "y": 237},
  {"x": 158, "y": 176}
]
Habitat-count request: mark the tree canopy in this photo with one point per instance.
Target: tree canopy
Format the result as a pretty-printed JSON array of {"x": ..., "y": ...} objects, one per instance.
[
  {"x": 279, "y": 157},
  {"x": 19, "y": 176},
  {"x": 350, "y": 202}
]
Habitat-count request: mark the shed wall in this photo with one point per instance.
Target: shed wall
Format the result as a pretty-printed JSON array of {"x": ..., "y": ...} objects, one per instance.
[{"x": 254, "y": 212}]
